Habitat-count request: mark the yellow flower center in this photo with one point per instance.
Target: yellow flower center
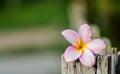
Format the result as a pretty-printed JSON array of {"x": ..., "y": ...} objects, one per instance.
[{"x": 81, "y": 46}]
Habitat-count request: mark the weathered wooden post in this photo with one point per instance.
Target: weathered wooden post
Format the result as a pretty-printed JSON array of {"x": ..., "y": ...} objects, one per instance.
[{"x": 105, "y": 64}]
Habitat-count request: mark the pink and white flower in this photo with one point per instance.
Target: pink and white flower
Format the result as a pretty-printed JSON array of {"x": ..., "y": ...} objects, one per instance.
[{"x": 82, "y": 46}]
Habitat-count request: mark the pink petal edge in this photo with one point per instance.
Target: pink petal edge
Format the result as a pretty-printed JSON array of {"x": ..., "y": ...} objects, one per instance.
[
  {"x": 96, "y": 45},
  {"x": 87, "y": 58},
  {"x": 70, "y": 36},
  {"x": 71, "y": 54},
  {"x": 85, "y": 32}
]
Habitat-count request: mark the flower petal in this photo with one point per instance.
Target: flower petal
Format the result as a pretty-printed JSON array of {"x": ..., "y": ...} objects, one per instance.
[
  {"x": 71, "y": 54},
  {"x": 84, "y": 32},
  {"x": 87, "y": 58},
  {"x": 96, "y": 45},
  {"x": 71, "y": 36}
]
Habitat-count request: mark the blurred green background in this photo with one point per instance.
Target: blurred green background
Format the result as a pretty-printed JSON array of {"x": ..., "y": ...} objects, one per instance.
[{"x": 30, "y": 31}]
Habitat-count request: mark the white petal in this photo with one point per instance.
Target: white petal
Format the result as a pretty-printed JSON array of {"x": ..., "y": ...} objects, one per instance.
[
  {"x": 96, "y": 45},
  {"x": 71, "y": 36},
  {"x": 84, "y": 32},
  {"x": 87, "y": 58},
  {"x": 71, "y": 54}
]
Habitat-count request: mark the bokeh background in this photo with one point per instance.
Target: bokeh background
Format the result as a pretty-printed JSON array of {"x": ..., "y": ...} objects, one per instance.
[{"x": 30, "y": 31}]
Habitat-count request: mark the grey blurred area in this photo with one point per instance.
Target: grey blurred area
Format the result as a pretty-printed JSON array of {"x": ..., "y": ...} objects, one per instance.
[{"x": 30, "y": 64}]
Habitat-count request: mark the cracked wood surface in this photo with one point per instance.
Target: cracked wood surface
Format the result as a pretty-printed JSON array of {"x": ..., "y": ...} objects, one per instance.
[{"x": 103, "y": 66}]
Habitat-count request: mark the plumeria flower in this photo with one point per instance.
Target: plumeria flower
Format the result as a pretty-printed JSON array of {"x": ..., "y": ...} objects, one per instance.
[{"x": 82, "y": 46}]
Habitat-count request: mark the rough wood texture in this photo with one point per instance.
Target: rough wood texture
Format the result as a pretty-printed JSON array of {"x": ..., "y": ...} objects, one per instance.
[
  {"x": 105, "y": 64},
  {"x": 113, "y": 60},
  {"x": 75, "y": 68},
  {"x": 102, "y": 64}
]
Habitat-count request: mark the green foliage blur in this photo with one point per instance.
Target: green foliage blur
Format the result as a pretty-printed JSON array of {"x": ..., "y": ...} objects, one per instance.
[
  {"x": 30, "y": 13},
  {"x": 23, "y": 14}
]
